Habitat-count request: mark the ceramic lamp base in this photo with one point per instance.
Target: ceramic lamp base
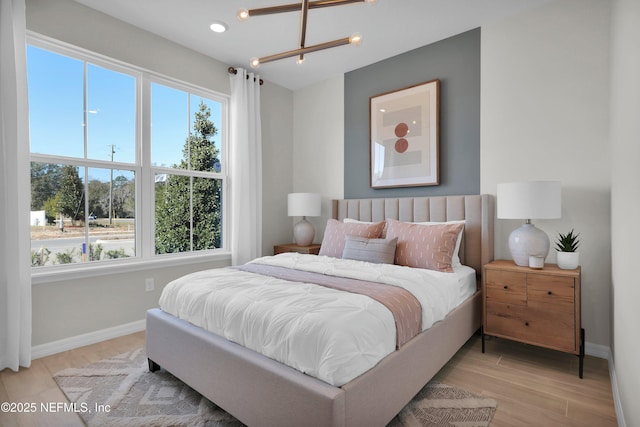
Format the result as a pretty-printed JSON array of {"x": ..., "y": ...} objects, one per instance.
[
  {"x": 526, "y": 241},
  {"x": 303, "y": 233}
]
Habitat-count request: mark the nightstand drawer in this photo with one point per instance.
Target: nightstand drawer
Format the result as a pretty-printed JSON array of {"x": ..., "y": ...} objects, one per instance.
[
  {"x": 506, "y": 287},
  {"x": 540, "y": 327},
  {"x": 551, "y": 293}
]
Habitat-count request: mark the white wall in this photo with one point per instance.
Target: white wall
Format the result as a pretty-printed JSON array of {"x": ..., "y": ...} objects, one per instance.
[
  {"x": 544, "y": 115},
  {"x": 318, "y": 145},
  {"x": 277, "y": 156},
  {"x": 625, "y": 202},
  {"x": 65, "y": 309}
]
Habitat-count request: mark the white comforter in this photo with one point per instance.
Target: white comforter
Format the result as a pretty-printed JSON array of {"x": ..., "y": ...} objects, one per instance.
[{"x": 329, "y": 334}]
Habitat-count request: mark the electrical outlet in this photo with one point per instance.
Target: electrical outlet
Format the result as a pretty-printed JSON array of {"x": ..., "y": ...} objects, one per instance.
[{"x": 149, "y": 285}]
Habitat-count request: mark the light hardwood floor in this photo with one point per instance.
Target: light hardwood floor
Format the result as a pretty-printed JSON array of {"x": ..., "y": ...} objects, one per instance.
[{"x": 533, "y": 386}]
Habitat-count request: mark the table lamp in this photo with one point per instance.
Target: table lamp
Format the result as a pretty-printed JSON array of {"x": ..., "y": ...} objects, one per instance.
[
  {"x": 304, "y": 205},
  {"x": 529, "y": 200}
]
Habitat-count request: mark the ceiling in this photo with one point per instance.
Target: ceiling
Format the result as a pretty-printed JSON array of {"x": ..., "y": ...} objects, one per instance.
[{"x": 388, "y": 28}]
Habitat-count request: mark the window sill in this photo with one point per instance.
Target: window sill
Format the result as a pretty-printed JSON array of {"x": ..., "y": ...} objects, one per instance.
[{"x": 48, "y": 275}]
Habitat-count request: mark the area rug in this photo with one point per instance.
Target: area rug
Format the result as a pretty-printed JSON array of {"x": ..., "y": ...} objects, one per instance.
[{"x": 120, "y": 391}]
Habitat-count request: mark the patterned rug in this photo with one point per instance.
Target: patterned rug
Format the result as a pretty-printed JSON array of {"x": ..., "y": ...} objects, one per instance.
[{"x": 121, "y": 391}]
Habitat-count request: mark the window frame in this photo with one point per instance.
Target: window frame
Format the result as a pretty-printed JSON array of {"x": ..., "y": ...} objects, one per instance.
[{"x": 145, "y": 258}]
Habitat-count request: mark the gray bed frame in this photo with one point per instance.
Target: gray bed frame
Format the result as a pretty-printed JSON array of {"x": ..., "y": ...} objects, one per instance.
[{"x": 259, "y": 391}]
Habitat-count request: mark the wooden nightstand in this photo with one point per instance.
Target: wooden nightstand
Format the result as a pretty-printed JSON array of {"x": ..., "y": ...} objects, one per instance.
[
  {"x": 292, "y": 247},
  {"x": 539, "y": 307}
]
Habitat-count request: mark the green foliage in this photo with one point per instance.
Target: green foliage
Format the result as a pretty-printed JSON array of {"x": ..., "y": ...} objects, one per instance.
[
  {"x": 123, "y": 197},
  {"x": 45, "y": 178},
  {"x": 115, "y": 253},
  {"x": 66, "y": 257},
  {"x": 40, "y": 257},
  {"x": 95, "y": 252},
  {"x": 567, "y": 242},
  {"x": 71, "y": 193},
  {"x": 188, "y": 209},
  {"x": 99, "y": 198},
  {"x": 51, "y": 208}
]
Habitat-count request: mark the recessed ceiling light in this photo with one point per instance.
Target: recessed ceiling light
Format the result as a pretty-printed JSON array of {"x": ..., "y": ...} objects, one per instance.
[{"x": 218, "y": 27}]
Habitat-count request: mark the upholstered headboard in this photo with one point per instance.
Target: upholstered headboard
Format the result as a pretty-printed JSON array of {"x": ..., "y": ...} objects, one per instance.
[{"x": 477, "y": 211}]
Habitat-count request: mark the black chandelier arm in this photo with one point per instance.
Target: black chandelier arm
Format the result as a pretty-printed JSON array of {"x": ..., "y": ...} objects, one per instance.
[
  {"x": 303, "y": 26},
  {"x": 303, "y": 7},
  {"x": 304, "y": 50},
  {"x": 295, "y": 7}
]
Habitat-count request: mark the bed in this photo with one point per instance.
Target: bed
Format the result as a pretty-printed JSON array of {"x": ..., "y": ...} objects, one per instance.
[{"x": 259, "y": 391}]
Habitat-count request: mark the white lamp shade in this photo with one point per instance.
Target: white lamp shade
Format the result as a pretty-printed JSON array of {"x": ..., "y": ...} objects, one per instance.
[
  {"x": 304, "y": 204},
  {"x": 529, "y": 200}
]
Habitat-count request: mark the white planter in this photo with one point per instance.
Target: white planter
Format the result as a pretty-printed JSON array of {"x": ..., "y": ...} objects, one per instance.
[{"x": 568, "y": 260}]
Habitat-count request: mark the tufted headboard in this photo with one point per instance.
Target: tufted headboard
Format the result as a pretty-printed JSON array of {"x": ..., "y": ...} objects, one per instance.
[{"x": 477, "y": 211}]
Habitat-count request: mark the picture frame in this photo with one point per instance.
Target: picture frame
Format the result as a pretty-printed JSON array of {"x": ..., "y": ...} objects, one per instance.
[{"x": 405, "y": 136}]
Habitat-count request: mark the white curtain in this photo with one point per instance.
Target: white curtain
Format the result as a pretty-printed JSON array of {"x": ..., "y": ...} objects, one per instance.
[
  {"x": 15, "y": 274},
  {"x": 246, "y": 167}
]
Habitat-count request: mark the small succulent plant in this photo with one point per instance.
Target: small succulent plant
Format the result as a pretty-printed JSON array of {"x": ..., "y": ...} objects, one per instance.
[{"x": 568, "y": 242}]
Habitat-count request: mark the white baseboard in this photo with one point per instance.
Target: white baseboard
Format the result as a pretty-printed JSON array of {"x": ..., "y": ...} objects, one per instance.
[
  {"x": 616, "y": 396},
  {"x": 70, "y": 343},
  {"x": 597, "y": 350}
]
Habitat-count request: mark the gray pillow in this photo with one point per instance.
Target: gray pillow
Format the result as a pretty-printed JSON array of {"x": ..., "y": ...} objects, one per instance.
[{"x": 379, "y": 251}]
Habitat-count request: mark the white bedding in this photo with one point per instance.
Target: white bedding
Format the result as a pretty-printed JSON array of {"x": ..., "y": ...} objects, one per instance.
[{"x": 281, "y": 320}]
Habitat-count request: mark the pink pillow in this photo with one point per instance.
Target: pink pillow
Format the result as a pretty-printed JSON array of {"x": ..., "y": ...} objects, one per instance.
[
  {"x": 336, "y": 232},
  {"x": 424, "y": 246}
]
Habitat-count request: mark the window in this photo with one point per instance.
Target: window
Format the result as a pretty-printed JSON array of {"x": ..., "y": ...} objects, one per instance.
[
  {"x": 188, "y": 192},
  {"x": 124, "y": 163}
]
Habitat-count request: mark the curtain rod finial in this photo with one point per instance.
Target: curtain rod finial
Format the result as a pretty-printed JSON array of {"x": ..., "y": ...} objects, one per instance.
[{"x": 233, "y": 70}]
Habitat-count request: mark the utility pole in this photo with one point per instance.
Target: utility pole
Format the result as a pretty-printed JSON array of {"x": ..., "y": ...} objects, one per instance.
[{"x": 113, "y": 150}]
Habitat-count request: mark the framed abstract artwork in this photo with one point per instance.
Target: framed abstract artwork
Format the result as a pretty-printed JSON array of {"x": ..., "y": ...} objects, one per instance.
[{"x": 405, "y": 136}]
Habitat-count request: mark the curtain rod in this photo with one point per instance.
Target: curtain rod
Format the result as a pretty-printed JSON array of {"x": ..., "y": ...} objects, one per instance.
[{"x": 232, "y": 70}]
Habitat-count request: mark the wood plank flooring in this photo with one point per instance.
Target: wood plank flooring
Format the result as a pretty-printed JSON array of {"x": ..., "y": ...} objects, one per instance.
[{"x": 533, "y": 386}]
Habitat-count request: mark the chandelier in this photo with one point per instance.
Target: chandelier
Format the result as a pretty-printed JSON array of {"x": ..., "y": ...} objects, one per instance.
[{"x": 304, "y": 7}]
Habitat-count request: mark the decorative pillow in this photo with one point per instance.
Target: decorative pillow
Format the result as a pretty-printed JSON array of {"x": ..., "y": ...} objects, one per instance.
[
  {"x": 355, "y": 221},
  {"x": 455, "y": 259},
  {"x": 378, "y": 251},
  {"x": 336, "y": 231},
  {"x": 424, "y": 246}
]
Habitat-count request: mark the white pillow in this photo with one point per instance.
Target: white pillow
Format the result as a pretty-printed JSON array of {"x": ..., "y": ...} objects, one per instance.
[{"x": 455, "y": 259}]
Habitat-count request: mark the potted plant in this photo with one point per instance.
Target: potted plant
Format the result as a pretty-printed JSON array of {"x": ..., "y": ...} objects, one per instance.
[{"x": 567, "y": 247}]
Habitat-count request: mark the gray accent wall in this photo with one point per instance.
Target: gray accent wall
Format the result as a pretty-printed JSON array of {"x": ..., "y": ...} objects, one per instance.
[{"x": 456, "y": 63}]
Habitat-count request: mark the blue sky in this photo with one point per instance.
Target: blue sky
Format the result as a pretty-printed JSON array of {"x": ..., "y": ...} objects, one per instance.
[{"x": 56, "y": 112}]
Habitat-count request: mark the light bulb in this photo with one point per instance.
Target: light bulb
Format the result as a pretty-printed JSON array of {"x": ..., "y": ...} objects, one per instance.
[
  {"x": 243, "y": 14},
  {"x": 300, "y": 60},
  {"x": 371, "y": 1},
  {"x": 254, "y": 62},
  {"x": 218, "y": 27},
  {"x": 356, "y": 39}
]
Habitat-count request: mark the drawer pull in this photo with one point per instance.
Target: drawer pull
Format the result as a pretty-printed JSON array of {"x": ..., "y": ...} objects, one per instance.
[
  {"x": 549, "y": 293},
  {"x": 526, "y": 323},
  {"x": 506, "y": 287}
]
